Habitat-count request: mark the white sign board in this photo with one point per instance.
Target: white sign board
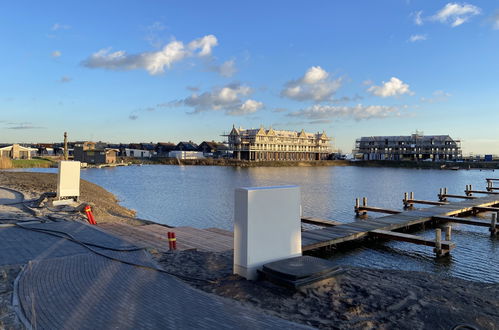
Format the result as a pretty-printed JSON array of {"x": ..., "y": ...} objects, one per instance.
[
  {"x": 68, "y": 179},
  {"x": 267, "y": 227}
]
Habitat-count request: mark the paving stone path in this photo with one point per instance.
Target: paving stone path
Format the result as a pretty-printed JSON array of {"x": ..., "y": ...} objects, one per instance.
[{"x": 67, "y": 286}]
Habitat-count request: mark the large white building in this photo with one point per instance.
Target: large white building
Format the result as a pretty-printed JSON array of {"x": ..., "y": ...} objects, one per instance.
[
  {"x": 267, "y": 145},
  {"x": 413, "y": 147}
]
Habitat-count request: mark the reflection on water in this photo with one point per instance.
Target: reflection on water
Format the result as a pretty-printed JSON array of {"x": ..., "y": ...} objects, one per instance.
[{"x": 203, "y": 196}]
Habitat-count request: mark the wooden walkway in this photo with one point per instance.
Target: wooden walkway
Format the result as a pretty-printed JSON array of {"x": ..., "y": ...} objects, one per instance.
[
  {"x": 155, "y": 236},
  {"x": 329, "y": 236}
]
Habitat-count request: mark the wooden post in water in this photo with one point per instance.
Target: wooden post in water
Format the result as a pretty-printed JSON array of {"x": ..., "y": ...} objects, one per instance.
[
  {"x": 357, "y": 206},
  {"x": 438, "y": 242},
  {"x": 448, "y": 233},
  {"x": 441, "y": 195},
  {"x": 412, "y": 195},
  {"x": 406, "y": 203},
  {"x": 493, "y": 224},
  {"x": 364, "y": 201}
]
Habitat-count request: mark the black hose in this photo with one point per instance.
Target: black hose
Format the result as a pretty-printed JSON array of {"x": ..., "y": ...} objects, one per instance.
[{"x": 88, "y": 246}]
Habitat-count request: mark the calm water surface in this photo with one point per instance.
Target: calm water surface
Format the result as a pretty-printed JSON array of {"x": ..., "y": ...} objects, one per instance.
[{"x": 203, "y": 197}]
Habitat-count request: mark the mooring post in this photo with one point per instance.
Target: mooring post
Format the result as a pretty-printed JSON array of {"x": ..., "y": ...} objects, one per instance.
[
  {"x": 412, "y": 195},
  {"x": 493, "y": 224},
  {"x": 438, "y": 242},
  {"x": 364, "y": 201},
  {"x": 448, "y": 232},
  {"x": 357, "y": 206},
  {"x": 406, "y": 203}
]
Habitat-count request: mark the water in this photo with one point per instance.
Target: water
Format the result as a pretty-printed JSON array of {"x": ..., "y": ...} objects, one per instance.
[{"x": 203, "y": 197}]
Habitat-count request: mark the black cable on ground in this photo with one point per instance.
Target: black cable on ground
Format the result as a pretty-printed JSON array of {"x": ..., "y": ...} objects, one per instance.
[{"x": 89, "y": 247}]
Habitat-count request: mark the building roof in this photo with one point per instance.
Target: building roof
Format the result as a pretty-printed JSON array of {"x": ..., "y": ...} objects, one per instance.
[
  {"x": 279, "y": 133},
  {"x": 408, "y": 138}
]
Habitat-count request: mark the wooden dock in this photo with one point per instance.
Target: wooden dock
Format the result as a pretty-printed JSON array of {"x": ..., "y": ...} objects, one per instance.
[{"x": 347, "y": 232}]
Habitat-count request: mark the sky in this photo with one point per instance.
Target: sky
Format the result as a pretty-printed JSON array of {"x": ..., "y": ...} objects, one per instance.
[{"x": 159, "y": 71}]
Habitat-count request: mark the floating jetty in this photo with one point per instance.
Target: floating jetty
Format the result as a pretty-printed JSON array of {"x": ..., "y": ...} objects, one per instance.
[{"x": 389, "y": 227}]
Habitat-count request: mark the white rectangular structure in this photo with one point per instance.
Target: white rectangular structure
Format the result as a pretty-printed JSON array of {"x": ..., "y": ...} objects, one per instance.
[
  {"x": 267, "y": 227},
  {"x": 68, "y": 180}
]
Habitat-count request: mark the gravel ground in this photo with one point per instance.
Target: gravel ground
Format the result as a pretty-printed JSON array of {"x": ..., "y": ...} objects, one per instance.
[{"x": 358, "y": 299}]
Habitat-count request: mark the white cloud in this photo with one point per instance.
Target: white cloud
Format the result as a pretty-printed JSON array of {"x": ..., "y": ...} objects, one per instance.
[
  {"x": 495, "y": 21},
  {"x": 205, "y": 43},
  {"x": 154, "y": 62},
  {"x": 417, "y": 37},
  {"x": 393, "y": 87},
  {"x": 314, "y": 85},
  {"x": 59, "y": 26},
  {"x": 228, "y": 98},
  {"x": 358, "y": 112},
  {"x": 56, "y": 53},
  {"x": 456, "y": 14},
  {"x": 226, "y": 69},
  {"x": 248, "y": 107},
  {"x": 418, "y": 20},
  {"x": 437, "y": 96}
]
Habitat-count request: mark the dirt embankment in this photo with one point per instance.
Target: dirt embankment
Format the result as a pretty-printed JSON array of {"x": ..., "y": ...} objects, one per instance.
[
  {"x": 358, "y": 299},
  {"x": 104, "y": 204}
]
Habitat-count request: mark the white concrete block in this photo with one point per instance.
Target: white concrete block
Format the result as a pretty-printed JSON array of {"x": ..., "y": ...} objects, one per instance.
[
  {"x": 68, "y": 179},
  {"x": 267, "y": 227}
]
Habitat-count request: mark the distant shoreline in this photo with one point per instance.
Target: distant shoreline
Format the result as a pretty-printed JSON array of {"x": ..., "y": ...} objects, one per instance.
[{"x": 451, "y": 165}]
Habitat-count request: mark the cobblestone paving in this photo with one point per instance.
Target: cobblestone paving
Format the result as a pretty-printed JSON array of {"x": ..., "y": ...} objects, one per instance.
[{"x": 67, "y": 286}]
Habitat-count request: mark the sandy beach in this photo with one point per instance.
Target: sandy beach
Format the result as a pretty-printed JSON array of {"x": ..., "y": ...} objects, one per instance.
[{"x": 359, "y": 298}]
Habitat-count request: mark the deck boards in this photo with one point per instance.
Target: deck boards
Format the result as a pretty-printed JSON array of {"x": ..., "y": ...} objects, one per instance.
[{"x": 333, "y": 235}]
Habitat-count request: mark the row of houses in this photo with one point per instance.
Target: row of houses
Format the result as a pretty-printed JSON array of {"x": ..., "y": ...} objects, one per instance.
[
  {"x": 102, "y": 153},
  {"x": 254, "y": 145}
]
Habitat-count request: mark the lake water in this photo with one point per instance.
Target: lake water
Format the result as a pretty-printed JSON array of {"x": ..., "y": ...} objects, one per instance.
[{"x": 203, "y": 196}]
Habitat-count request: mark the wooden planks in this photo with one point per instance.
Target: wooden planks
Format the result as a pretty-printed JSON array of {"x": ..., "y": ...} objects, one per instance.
[
  {"x": 361, "y": 209},
  {"x": 402, "y": 237},
  {"x": 483, "y": 192},
  {"x": 457, "y": 196},
  {"x": 465, "y": 221},
  {"x": 485, "y": 209},
  {"x": 320, "y": 222},
  {"x": 420, "y": 201},
  {"x": 345, "y": 232}
]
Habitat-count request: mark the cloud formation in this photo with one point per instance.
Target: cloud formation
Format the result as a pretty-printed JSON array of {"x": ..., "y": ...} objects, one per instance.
[
  {"x": 357, "y": 112},
  {"x": 228, "y": 98},
  {"x": 153, "y": 62},
  {"x": 494, "y": 19},
  {"x": 226, "y": 69},
  {"x": 23, "y": 125},
  {"x": 418, "y": 20},
  {"x": 456, "y": 14},
  {"x": 59, "y": 26},
  {"x": 315, "y": 85},
  {"x": 393, "y": 87},
  {"x": 417, "y": 37},
  {"x": 56, "y": 53},
  {"x": 437, "y": 96}
]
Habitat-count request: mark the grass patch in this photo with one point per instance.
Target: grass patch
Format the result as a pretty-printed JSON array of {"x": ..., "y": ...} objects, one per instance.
[{"x": 29, "y": 163}]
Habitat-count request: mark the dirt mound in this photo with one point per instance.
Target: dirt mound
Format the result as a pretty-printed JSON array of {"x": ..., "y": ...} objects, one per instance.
[{"x": 104, "y": 204}]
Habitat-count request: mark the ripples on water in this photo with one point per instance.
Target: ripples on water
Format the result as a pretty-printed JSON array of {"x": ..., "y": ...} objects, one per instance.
[{"x": 203, "y": 196}]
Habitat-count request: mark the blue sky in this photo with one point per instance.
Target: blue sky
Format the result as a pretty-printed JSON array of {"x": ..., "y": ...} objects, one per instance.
[{"x": 142, "y": 71}]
